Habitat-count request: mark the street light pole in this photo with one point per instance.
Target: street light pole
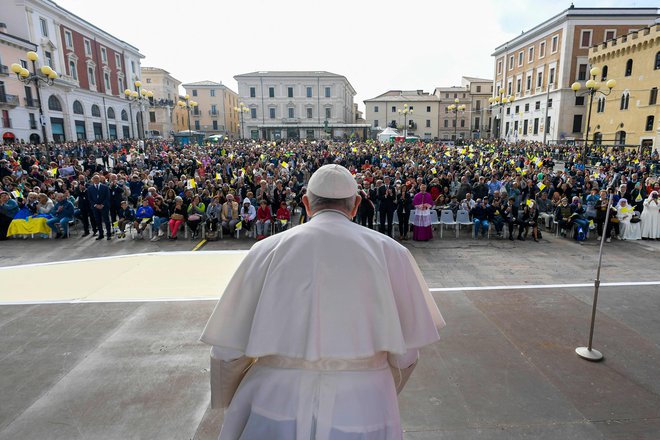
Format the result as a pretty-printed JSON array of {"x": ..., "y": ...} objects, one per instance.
[
  {"x": 241, "y": 109},
  {"x": 405, "y": 113},
  {"x": 501, "y": 100},
  {"x": 142, "y": 98},
  {"x": 593, "y": 87},
  {"x": 455, "y": 108},
  {"x": 45, "y": 75},
  {"x": 188, "y": 105}
]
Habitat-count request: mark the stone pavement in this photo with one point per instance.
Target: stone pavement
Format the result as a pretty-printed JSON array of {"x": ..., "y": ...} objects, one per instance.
[{"x": 505, "y": 367}]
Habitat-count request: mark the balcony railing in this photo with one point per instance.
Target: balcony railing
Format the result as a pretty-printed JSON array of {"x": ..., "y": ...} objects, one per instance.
[
  {"x": 291, "y": 120},
  {"x": 214, "y": 112},
  {"x": 11, "y": 100},
  {"x": 31, "y": 102}
]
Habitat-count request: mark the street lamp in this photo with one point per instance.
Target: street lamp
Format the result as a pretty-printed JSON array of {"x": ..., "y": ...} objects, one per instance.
[
  {"x": 501, "y": 100},
  {"x": 593, "y": 87},
  {"x": 187, "y": 104},
  {"x": 241, "y": 109},
  {"x": 142, "y": 99},
  {"x": 455, "y": 108},
  {"x": 45, "y": 75},
  {"x": 405, "y": 113}
]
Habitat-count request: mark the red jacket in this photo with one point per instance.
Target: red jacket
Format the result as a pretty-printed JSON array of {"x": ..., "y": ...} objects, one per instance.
[
  {"x": 283, "y": 214},
  {"x": 264, "y": 214}
]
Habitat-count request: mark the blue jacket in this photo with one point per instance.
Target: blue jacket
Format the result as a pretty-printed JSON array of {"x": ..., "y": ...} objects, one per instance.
[
  {"x": 9, "y": 209},
  {"x": 144, "y": 212},
  {"x": 66, "y": 211}
]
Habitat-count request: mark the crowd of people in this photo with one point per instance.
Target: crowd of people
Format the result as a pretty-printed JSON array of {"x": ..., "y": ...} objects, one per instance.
[{"x": 116, "y": 188}]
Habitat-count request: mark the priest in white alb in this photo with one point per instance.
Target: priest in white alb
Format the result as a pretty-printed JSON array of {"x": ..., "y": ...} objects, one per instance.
[{"x": 327, "y": 319}]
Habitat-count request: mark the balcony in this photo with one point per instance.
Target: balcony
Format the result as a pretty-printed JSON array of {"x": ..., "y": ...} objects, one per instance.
[
  {"x": 4, "y": 70},
  {"x": 291, "y": 120},
  {"x": 31, "y": 102},
  {"x": 8, "y": 100},
  {"x": 214, "y": 113}
]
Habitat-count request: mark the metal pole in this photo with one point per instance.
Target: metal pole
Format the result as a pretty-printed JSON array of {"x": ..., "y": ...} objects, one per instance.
[
  {"x": 586, "y": 138},
  {"x": 545, "y": 121},
  {"x": 588, "y": 352},
  {"x": 130, "y": 108},
  {"x": 42, "y": 119}
]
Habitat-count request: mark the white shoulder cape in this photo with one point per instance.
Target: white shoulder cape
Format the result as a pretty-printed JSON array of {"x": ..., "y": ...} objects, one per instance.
[{"x": 327, "y": 289}]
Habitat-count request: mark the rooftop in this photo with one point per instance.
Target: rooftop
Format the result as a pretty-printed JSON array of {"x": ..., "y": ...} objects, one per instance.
[{"x": 404, "y": 95}]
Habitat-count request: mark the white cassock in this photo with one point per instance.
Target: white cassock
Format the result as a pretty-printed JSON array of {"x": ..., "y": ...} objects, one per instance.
[{"x": 325, "y": 305}]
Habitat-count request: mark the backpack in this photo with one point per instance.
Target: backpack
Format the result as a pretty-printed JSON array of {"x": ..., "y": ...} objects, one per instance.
[{"x": 580, "y": 235}]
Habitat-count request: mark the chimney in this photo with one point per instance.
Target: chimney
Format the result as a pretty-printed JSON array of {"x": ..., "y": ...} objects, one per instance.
[{"x": 3, "y": 28}]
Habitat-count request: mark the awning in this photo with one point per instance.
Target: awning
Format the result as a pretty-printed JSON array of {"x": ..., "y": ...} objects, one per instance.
[{"x": 8, "y": 135}]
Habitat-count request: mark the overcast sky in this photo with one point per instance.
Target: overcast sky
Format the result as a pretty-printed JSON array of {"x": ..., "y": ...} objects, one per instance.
[{"x": 378, "y": 45}]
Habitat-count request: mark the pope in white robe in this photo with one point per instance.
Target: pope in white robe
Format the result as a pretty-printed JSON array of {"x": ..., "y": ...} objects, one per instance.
[{"x": 327, "y": 309}]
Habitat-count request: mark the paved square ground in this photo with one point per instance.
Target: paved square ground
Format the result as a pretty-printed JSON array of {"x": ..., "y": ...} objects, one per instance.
[{"x": 505, "y": 367}]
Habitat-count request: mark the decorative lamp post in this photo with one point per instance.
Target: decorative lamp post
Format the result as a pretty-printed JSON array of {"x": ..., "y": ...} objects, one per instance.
[
  {"x": 142, "y": 99},
  {"x": 241, "y": 109},
  {"x": 187, "y": 104},
  {"x": 455, "y": 108},
  {"x": 44, "y": 76},
  {"x": 500, "y": 100},
  {"x": 593, "y": 87},
  {"x": 405, "y": 112}
]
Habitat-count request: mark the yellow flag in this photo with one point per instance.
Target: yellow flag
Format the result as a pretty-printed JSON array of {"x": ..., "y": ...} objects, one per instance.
[
  {"x": 239, "y": 226},
  {"x": 16, "y": 193},
  {"x": 433, "y": 170},
  {"x": 283, "y": 221},
  {"x": 52, "y": 171},
  {"x": 540, "y": 185},
  {"x": 528, "y": 202},
  {"x": 284, "y": 164},
  {"x": 192, "y": 183},
  {"x": 217, "y": 176},
  {"x": 518, "y": 169},
  {"x": 354, "y": 150}
]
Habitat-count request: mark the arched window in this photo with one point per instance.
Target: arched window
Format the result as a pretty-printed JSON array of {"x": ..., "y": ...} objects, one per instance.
[
  {"x": 124, "y": 115},
  {"x": 629, "y": 66},
  {"x": 657, "y": 60},
  {"x": 96, "y": 111},
  {"x": 601, "y": 105},
  {"x": 72, "y": 70},
  {"x": 54, "y": 104},
  {"x": 603, "y": 75},
  {"x": 620, "y": 138},
  {"x": 78, "y": 108},
  {"x": 111, "y": 113},
  {"x": 625, "y": 99},
  {"x": 598, "y": 138}
]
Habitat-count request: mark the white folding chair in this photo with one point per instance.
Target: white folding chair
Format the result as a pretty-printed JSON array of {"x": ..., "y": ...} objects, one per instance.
[
  {"x": 447, "y": 218},
  {"x": 463, "y": 219},
  {"x": 434, "y": 218}
]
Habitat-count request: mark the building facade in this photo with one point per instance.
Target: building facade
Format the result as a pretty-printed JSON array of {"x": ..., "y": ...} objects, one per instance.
[
  {"x": 474, "y": 120},
  {"x": 630, "y": 115},
  {"x": 214, "y": 113},
  {"x": 538, "y": 67},
  {"x": 166, "y": 93},
  {"x": 412, "y": 112},
  {"x": 295, "y": 105},
  {"x": 87, "y": 101}
]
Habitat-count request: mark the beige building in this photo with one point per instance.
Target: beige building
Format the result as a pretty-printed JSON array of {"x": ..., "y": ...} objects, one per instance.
[
  {"x": 474, "y": 120},
  {"x": 630, "y": 115},
  {"x": 180, "y": 119},
  {"x": 214, "y": 113},
  {"x": 387, "y": 110},
  {"x": 538, "y": 67},
  {"x": 166, "y": 92}
]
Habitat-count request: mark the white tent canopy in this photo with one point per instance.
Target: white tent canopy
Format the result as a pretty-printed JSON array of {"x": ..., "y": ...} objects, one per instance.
[{"x": 386, "y": 134}]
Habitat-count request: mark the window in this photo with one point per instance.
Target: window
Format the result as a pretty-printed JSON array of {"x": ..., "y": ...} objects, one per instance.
[
  {"x": 106, "y": 78},
  {"x": 542, "y": 49},
  {"x": 511, "y": 62},
  {"x": 68, "y": 39},
  {"x": 549, "y": 102},
  {"x": 625, "y": 99},
  {"x": 428, "y": 122},
  {"x": 148, "y": 80},
  {"x": 118, "y": 61},
  {"x": 462, "y": 123},
  {"x": 521, "y": 57},
  {"x": 508, "y": 87},
  {"x": 309, "y": 92},
  {"x": 453, "y": 123},
  {"x": 476, "y": 123},
  {"x": 536, "y": 126},
  {"x": 292, "y": 113},
  {"x": 271, "y": 92},
  {"x": 124, "y": 115},
  {"x": 49, "y": 58},
  {"x": 620, "y": 138},
  {"x": 120, "y": 84},
  {"x": 328, "y": 113},
  {"x": 72, "y": 70},
  {"x": 309, "y": 113},
  {"x": 328, "y": 93},
  {"x": 585, "y": 38},
  {"x": 215, "y": 125},
  {"x": 96, "y": 111},
  {"x": 551, "y": 78},
  {"x": 33, "y": 121},
  {"x": 579, "y": 100},
  {"x": 289, "y": 92},
  {"x": 428, "y": 109},
  {"x": 518, "y": 85},
  {"x": 526, "y": 107},
  {"x": 610, "y": 34},
  {"x": 446, "y": 123},
  {"x": 253, "y": 112},
  {"x": 530, "y": 54},
  {"x": 271, "y": 113},
  {"x": 78, "y": 108},
  {"x": 214, "y": 109},
  {"x": 253, "y": 92},
  {"x": 529, "y": 83},
  {"x": 525, "y": 125},
  {"x": 111, "y": 113},
  {"x": 629, "y": 67},
  {"x": 649, "y": 122},
  {"x": 393, "y": 109},
  {"x": 54, "y": 104},
  {"x": 88, "y": 48},
  {"x": 375, "y": 122},
  {"x": 603, "y": 75},
  {"x": 44, "y": 27},
  {"x": 194, "y": 92},
  {"x": 499, "y": 67},
  {"x": 537, "y": 105},
  {"x": 152, "y": 116},
  {"x": 554, "y": 44},
  {"x": 212, "y": 92},
  {"x": 653, "y": 96},
  {"x": 517, "y": 109},
  {"x": 90, "y": 74},
  {"x": 577, "y": 123},
  {"x": 657, "y": 61},
  {"x": 197, "y": 125},
  {"x": 539, "y": 79},
  {"x": 375, "y": 109},
  {"x": 104, "y": 55},
  {"x": 133, "y": 67},
  {"x": 582, "y": 72},
  {"x": 446, "y": 109},
  {"x": 598, "y": 138}
]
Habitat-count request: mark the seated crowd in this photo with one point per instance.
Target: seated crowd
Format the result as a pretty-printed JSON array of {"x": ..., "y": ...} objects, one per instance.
[{"x": 126, "y": 187}]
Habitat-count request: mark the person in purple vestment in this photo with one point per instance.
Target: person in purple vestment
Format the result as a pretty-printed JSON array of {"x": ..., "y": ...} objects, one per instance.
[{"x": 422, "y": 230}]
